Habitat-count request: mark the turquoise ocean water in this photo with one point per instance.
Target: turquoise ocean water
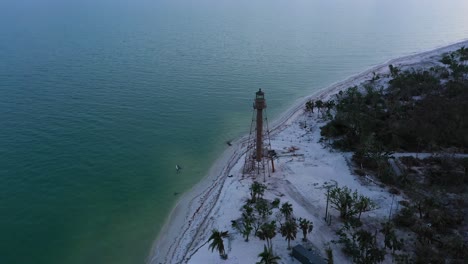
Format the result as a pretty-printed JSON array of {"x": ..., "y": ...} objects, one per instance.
[{"x": 100, "y": 99}]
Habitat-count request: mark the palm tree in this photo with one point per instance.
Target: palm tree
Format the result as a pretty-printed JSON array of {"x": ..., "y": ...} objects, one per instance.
[
  {"x": 217, "y": 237},
  {"x": 391, "y": 241},
  {"x": 364, "y": 204},
  {"x": 267, "y": 232},
  {"x": 286, "y": 210},
  {"x": 275, "y": 203},
  {"x": 263, "y": 208},
  {"x": 306, "y": 227},
  {"x": 330, "y": 104},
  {"x": 319, "y": 105},
  {"x": 267, "y": 256},
  {"x": 289, "y": 231},
  {"x": 256, "y": 191},
  {"x": 463, "y": 52},
  {"x": 310, "y": 106}
]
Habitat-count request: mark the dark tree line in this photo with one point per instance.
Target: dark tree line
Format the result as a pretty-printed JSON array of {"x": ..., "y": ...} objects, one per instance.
[{"x": 420, "y": 111}]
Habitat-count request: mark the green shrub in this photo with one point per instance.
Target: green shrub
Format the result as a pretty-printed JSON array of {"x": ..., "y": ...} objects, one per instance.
[{"x": 405, "y": 217}]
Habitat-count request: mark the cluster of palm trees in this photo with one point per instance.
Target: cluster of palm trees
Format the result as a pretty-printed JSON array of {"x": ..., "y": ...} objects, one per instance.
[
  {"x": 362, "y": 245},
  {"x": 255, "y": 217},
  {"x": 290, "y": 226},
  {"x": 267, "y": 232},
  {"x": 321, "y": 106}
]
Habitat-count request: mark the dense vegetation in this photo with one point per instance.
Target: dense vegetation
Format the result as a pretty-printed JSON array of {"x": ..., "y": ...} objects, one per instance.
[
  {"x": 416, "y": 110},
  {"x": 256, "y": 219},
  {"x": 420, "y": 110},
  {"x": 361, "y": 244},
  {"x": 437, "y": 210}
]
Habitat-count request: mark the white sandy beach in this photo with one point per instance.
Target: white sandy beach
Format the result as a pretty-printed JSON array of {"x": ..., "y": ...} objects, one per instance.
[{"x": 216, "y": 200}]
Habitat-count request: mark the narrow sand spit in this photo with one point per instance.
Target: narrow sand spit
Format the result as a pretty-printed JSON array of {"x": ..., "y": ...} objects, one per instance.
[{"x": 216, "y": 200}]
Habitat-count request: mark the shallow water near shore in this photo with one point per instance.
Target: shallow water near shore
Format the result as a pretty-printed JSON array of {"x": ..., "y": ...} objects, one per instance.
[{"x": 99, "y": 100}]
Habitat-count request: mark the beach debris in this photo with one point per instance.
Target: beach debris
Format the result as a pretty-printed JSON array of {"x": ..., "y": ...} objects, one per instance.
[
  {"x": 230, "y": 176},
  {"x": 293, "y": 149}
]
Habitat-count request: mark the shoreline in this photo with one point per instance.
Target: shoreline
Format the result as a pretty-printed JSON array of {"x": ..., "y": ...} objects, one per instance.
[{"x": 181, "y": 230}]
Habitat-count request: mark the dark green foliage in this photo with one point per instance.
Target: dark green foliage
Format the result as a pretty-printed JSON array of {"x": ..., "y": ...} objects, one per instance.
[
  {"x": 275, "y": 203},
  {"x": 371, "y": 155},
  {"x": 446, "y": 171},
  {"x": 364, "y": 204},
  {"x": 410, "y": 161},
  {"x": 262, "y": 207},
  {"x": 287, "y": 210},
  {"x": 361, "y": 245},
  {"x": 455, "y": 62},
  {"x": 217, "y": 242},
  {"x": 435, "y": 226},
  {"x": 402, "y": 259},
  {"x": 306, "y": 226},
  {"x": 256, "y": 191},
  {"x": 416, "y": 113},
  {"x": 405, "y": 217},
  {"x": 343, "y": 200},
  {"x": 391, "y": 241},
  {"x": 329, "y": 252},
  {"x": 267, "y": 256},
  {"x": 245, "y": 228},
  {"x": 420, "y": 111},
  {"x": 329, "y": 105},
  {"x": 393, "y": 70},
  {"x": 446, "y": 59},
  {"x": 463, "y": 53},
  {"x": 456, "y": 247},
  {"x": 267, "y": 232},
  {"x": 452, "y": 248},
  {"x": 360, "y": 172},
  {"x": 440, "y": 72},
  {"x": 349, "y": 203},
  {"x": 375, "y": 77},
  {"x": 319, "y": 104},
  {"x": 357, "y": 115},
  {"x": 289, "y": 231},
  {"x": 246, "y": 223},
  {"x": 409, "y": 84},
  {"x": 458, "y": 70},
  {"x": 309, "y": 106},
  {"x": 427, "y": 253}
]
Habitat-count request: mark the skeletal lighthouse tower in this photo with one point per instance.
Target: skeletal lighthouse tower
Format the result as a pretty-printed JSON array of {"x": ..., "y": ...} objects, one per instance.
[
  {"x": 258, "y": 149},
  {"x": 259, "y": 105}
]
